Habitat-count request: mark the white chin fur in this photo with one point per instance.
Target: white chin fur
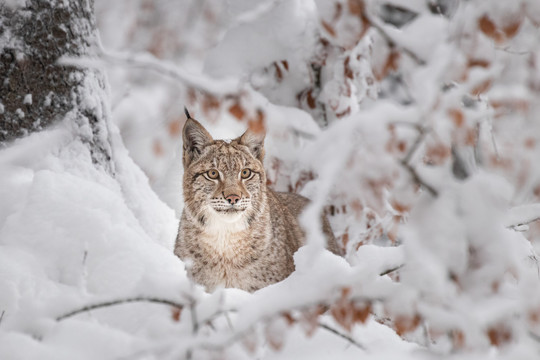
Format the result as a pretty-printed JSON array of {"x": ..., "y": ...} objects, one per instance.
[{"x": 220, "y": 222}]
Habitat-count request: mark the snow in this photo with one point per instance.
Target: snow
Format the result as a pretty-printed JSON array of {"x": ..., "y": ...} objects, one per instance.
[
  {"x": 286, "y": 32},
  {"x": 27, "y": 99},
  {"x": 447, "y": 275}
]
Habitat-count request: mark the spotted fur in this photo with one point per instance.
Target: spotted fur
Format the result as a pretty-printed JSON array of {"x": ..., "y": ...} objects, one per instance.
[{"x": 247, "y": 244}]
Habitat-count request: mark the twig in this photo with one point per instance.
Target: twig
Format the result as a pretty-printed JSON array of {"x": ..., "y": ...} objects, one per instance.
[
  {"x": 2, "y": 316},
  {"x": 405, "y": 162},
  {"x": 415, "y": 145},
  {"x": 513, "y": 52},
  {"x": 523, "y": 223},
  {"x": 194, "y": 322},
  {"x": 302, "y": 134},
  {"x": 534, "y": 336},
  {"x": 340, "y": 334},
  {"x": 119, "y": 302},
  {"x": 192, "y": 302},
  {"x": 386, "y": 272},
  {"x": 391, "y": 42},
  {"x": 412, "y": 125},
  {"x": 419, "y": 180},
  {"x": 147, "y": 61}
]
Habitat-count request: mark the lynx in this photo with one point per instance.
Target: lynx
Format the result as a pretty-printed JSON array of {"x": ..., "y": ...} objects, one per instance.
[{"x": 236, "y": 231}]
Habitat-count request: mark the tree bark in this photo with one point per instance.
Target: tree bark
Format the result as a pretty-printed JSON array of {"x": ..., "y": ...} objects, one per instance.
[{"x": 35, "y": 90}]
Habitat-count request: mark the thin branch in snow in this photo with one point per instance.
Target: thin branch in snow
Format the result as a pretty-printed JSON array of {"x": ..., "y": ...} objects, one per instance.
[
  {"x": 412, "y": 125},
  {"x": 419, "y": 180},
  {"x": 256, "y": 13},
  {"x": 519, "y": 216},
  {"x": 346, "y": 337},
  {"x": 2, "y": 316},
  {"x": 533, "y": 336},
  {"x": 194, "y": 322},
  {"x": 389, "y": 271},
  {"x": 147, "y": 61},
  {"x": 391, "y": 41},
  {"x": 513, "y": 52},
  {"x": 406, "y": 163},
  {"x": 415, "y": 145},
  {"x": 302, "y": 134},
  {"x": 119, "y": 302}
]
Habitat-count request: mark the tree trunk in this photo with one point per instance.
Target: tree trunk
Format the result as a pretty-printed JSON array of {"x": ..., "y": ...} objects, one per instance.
[{"x": 35, "y": 90}]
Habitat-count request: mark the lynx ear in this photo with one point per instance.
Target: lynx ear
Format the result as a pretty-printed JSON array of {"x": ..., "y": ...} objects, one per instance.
[
  {"x": 195, "y": 138},
  {"x": 254, "y": 142}
]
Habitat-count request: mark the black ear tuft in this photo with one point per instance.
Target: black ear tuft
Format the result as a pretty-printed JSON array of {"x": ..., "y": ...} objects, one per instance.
[
  {"x": 255, "y": 143},
  {"x": 195, "y": 138},
  {"x": 187, "y": 113}
]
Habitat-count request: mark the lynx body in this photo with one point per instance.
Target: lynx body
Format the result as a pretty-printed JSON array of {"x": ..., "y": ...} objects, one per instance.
[{"x": 235, "y": 231}]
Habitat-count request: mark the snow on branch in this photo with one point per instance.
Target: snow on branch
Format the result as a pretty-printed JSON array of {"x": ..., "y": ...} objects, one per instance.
[
  {"x": 520, "y": 216},
  {"x": 386, "y": 33},
  {"x": 412, "y": 170},
  {"x": 87, "y": 308},
  {"x": 147, "y": 61}
]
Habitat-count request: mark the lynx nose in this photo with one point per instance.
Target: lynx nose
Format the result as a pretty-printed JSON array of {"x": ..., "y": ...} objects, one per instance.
[{"x": 232, "y": 199}]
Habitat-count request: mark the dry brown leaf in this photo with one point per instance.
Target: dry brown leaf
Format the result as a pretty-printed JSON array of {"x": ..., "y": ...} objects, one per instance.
[
  {"x": 176, "y": 313},
  {"x": 457, "y": 117},
  {"x": 482, "y": 87},
  {"x": 345, "y": 239},
  {"x": 250, "y": 342},
  {"x": 157, "y": 148},
  {"x": 175, "y": 127},
  {"x": 478, "y": 62},
  {"x": 279, "y": 73},
  {"x": 274, "y": 337},
  {"x": 310, "y": 319},
  {"x": 488, "y": 27},
  {"x": 361, "y": 312},
  {"x": 289, "y": 318},
  {"x": 458, "y": 339},
  {"x": 499, "y": 335},
  {"x": 356, "y": 7},
  {"x": 512, "y": 29},
  {"x": 237, "y": 111},
  {"x": 345, "y": 112},
  {"x": 329, "y": 29},
  {"x": 347, "y": 71},
  {"x": 257, "y": 125},
  {"x": 405, "y": 324},
  {"x": 210, "y": 103}
]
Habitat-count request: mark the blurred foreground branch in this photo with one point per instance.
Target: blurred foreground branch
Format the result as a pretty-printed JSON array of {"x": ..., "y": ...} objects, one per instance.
[
  {"x": 119, "y": 302},
  {"x": 340, "y": 334},
  {"x": 147, "y": 61},
  {"x": 412, "y": 170}
]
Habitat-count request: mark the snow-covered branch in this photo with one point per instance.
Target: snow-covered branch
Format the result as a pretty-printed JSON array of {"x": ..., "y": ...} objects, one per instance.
[{"x": 105, "y": 304}]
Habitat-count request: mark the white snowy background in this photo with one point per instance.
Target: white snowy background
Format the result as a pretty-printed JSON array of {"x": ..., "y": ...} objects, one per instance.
[{"x": 412, "y": 123}]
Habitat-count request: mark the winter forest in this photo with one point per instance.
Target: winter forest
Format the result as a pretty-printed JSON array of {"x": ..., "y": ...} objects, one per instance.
[{"x": 412, "y": 124}]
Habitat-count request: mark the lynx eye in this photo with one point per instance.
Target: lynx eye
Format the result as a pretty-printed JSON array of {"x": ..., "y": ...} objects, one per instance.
[
  {"x": 212, "y": 174},
  {"x": 245, "y": 173}
]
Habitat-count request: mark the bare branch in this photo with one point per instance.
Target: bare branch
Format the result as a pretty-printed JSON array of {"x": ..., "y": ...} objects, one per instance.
[
  {"x": 346, "y": 337},
  {"x": 417, "y": 179},
  {"x": 147, "y": 61},
  {"x": 415, "y": 145},
  {"x": 2, "y": 316},
  {"x": 389, "y": 271},
  {"x": 391, "y": 41},
  {"x": 119, "y": 302},
  {"x": 194, "y": 322},
  {"x": 406, "y": 163}
]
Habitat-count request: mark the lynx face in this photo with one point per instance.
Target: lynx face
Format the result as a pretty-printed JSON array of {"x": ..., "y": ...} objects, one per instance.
[{"x": 224, "y": 182}]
